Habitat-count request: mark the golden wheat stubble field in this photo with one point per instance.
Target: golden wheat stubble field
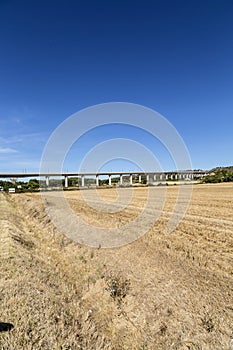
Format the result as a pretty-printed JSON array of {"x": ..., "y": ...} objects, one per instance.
[{"x": 160, "y": 292}]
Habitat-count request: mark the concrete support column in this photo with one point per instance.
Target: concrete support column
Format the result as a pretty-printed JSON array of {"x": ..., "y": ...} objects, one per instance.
[
  {"x": 155, "y": 177},
  {"x": 147, "y": 178},
  {"x": 121, "y": 179},
  {"x": 97, "y": 180},
  {"x": 176, "y": 176},
  {"x": 47, "y": 181},
  {"x": 131, "y": 180},
  {"x": 82, "y": 181},
  {"x": 161, "y": 176},
  {"x": 66, "y": 181},
  {"x": 139, "y": 178},
  {"x": 110, "y": 180},
  {"x": 166, "y": 177}
]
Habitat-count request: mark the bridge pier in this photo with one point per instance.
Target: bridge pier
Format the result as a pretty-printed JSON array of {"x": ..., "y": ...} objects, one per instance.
[
  {"x": 121, "y": 179},
  {"x": 66, "y": 181},
  {"x": 140, "y": 178},
  {"x": 97, "y": 180},
  {"x": 82, "y": 180},
  {"x": 131, "y": 180},
  {"x": 110, "y": 180},
  {"x": 47, "y": 181}
]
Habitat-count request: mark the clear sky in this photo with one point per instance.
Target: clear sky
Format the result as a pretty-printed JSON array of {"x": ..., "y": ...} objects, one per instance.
[{"x": 58, "y": 57}]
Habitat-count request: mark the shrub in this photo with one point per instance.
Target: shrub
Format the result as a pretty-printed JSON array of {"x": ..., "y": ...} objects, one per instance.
[{"x": 117, "y": 286}]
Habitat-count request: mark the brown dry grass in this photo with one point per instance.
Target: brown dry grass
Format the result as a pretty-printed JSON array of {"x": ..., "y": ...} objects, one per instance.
[{"x": 56, "y": 292}]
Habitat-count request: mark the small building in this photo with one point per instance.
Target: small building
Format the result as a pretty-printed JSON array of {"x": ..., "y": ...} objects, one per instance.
[{"x": 11, "y": 190}]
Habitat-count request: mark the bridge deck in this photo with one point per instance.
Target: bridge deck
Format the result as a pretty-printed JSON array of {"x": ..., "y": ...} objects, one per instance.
[{"x": 22, "y": 175}]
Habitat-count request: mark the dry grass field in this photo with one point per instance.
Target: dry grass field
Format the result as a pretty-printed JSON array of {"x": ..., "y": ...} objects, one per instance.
[{"x": 160, "y": 292}]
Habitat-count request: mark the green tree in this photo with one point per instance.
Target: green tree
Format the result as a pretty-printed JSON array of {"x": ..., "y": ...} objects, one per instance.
[{"x": 33, "y": 184}]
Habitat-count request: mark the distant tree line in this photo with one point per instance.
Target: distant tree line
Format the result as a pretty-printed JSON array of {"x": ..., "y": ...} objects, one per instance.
[
  {"x": 221, "y": 175},
  {"x": 34, "y": 185},
  {"x": 20, "y": 186}
]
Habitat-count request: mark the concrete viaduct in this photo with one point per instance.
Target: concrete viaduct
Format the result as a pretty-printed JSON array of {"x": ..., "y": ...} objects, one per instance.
[{"x": 150, "y": 176}]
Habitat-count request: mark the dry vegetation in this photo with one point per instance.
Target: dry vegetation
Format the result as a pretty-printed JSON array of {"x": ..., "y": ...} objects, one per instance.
[{"x": 160, "y": 292}]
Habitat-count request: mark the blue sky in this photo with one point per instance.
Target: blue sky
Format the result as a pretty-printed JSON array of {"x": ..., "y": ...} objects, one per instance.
[{"x": 58, "y": 57}]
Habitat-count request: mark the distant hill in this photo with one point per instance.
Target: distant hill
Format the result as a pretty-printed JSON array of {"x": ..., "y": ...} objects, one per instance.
[
  {"x": 219, "y": 174},
  {"x": 228, "y": 168}
]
